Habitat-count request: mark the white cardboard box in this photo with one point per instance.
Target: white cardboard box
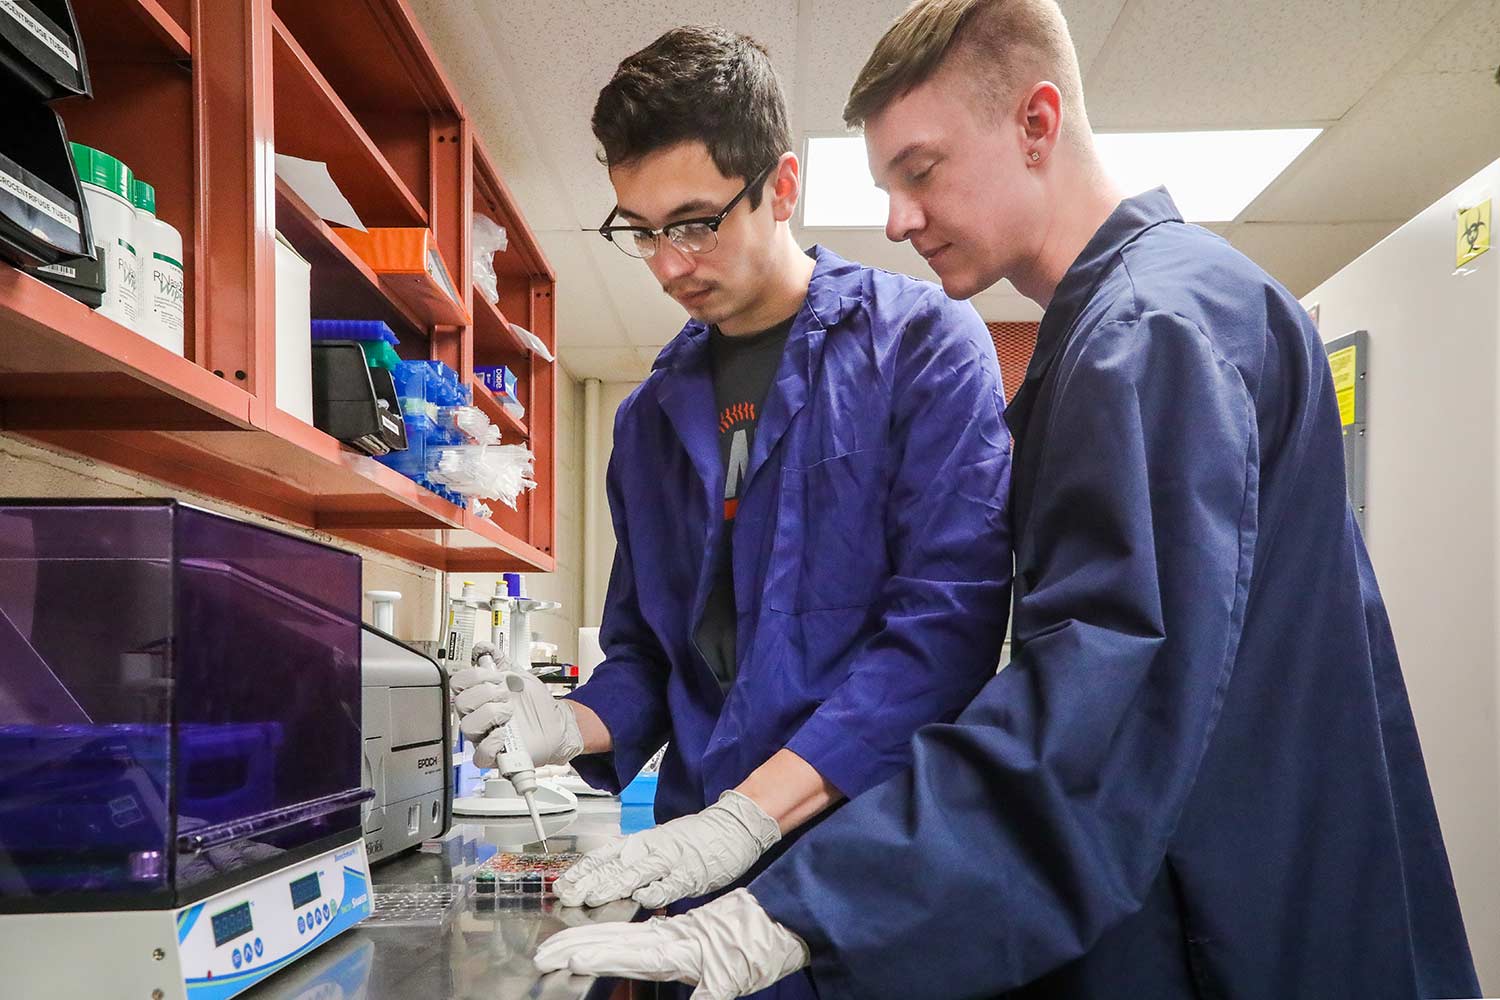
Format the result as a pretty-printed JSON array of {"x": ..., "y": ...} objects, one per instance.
[{"x": 293, "y": 332}]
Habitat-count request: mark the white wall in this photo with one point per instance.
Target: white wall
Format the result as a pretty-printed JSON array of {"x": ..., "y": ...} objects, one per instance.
[
  {"x": 1434, "y": 434},
  {"x": 601, "y": 534}
]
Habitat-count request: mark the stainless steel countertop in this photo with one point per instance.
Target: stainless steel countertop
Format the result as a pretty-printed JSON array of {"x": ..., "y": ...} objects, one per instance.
[{"x": 483, "y": 950}]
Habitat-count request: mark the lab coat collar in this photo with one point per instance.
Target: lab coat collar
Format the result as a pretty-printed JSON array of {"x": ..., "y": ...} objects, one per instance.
[
  {"x": 834, "y": 281},
  {"x": 1130, "y": 219}
]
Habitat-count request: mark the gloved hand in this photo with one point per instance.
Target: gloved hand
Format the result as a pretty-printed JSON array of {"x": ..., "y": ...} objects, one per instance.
[
  {"x": 727, "y": 948},
  {"x": 487, "y": 698},
  {"x": 687, "y": 857}
]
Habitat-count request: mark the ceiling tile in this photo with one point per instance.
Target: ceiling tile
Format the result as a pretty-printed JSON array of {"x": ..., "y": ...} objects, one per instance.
[
  {"x": 1227, "y": 63},
  {"x": 1302, "y": 256},
  {"x": 1472, "y": 42},
  {"x": 586, "y": 315},
  {"x": 500, "y": 122},
  {"x": 1417, "y": 136}
]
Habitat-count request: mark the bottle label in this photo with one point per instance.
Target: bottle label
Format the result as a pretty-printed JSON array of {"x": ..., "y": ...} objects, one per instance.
[
  {"x": 122, "y": 277},
  {"x": 166, "y": 292}
]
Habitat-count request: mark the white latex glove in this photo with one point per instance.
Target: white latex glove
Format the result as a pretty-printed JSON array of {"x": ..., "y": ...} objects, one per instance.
[
  {"x": 487, "y": 698},
  {"x": 727, "y": 948},
  {"x": 689, "y": 856}
]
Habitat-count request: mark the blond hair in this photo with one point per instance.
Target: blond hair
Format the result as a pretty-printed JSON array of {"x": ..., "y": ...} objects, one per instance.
[{"x": 1000, "y": 45}]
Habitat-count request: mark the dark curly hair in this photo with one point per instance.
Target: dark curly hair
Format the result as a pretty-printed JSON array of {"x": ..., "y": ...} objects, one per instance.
[{"x": 696, "y": 83}]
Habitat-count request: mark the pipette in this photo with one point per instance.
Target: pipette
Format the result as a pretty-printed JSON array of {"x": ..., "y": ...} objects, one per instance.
[{"x": 513, "y": 761}]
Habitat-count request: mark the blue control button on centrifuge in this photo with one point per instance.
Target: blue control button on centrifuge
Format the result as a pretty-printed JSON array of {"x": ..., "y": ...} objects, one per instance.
[
  {"x": 260, "y": 948},
  {"x": 318, "y": 916},
  {"x": 249, "y": 955},
  {"x": 301, "y": 924},
  {"x": 326, "y": 911}
]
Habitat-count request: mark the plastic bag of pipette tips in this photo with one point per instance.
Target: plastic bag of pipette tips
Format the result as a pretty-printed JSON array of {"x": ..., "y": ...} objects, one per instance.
[
  {"x": 489, "y": 238},
  {"x": 501, "y": 472}
]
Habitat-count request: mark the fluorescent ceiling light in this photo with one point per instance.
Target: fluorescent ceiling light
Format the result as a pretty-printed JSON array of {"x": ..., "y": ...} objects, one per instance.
[
  {"x": 1212, "y": 176},
  {"x": 840, "y": 190}
]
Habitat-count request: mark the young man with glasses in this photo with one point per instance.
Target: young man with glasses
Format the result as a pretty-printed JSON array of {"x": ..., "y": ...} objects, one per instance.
[{"x": 808, "y": 496}]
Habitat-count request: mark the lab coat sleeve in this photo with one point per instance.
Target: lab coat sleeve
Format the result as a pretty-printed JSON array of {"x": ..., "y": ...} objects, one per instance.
[
  {"x": 945, "y": 605},
  {"x": 628, "y": 691},
  {"x": 1040, "y": 819}
]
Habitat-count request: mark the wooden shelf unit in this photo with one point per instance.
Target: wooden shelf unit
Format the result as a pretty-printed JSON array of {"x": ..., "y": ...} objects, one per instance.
[
  {"x": 343, "y": 285},
  {"x": 526, "y": 284},
  {"x": 195, "y": 97},
  {"x": 312, "y": 122},
  {"x": 493, "y": 333},
  {"x": 511, "y": 426},
  {"x": 138, "y": 30}
]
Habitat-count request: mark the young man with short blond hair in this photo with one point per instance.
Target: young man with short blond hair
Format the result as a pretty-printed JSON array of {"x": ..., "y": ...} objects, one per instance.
[{"x": 1199, "y": 776}]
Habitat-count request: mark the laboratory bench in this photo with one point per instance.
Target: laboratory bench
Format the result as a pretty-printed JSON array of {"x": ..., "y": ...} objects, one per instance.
[{"x": 483, "y": 948}]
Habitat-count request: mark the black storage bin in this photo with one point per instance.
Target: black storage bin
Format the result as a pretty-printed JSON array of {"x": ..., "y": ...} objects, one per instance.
[
  {"x": 41, "y": 51},
  {"x": 353, "y": 402},
  {"x": 42, "y": 215},
  {"x": 81, "y": 279}
]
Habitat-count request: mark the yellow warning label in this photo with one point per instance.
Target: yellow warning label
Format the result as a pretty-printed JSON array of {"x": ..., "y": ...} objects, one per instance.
[
  {"x": 1344, "y": 381},
  {"x": 1473, "y": 232}
]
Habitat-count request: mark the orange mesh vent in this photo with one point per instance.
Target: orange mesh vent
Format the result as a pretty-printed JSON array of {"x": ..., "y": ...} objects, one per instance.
[{"x": 1014, "y": 343}]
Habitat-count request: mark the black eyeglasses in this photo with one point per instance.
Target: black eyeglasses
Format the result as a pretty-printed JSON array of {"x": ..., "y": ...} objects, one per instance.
[{"x": 687, "y": 235}]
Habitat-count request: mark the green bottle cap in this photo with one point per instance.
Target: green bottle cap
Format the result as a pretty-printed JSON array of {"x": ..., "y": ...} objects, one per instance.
[
  {"x": 143, "y": 196},
  {"x": 102, "y": 170}
]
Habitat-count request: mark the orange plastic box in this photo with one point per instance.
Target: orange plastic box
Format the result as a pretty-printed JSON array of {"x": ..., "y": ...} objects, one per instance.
[{"x": 410, "y": 269}]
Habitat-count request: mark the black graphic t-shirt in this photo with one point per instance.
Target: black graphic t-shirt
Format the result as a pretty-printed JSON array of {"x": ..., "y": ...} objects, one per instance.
[{"x": 743, "y": 370}]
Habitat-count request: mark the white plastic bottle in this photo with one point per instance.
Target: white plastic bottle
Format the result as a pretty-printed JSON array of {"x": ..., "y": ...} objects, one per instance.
[
  {"x": 159, "y": 313},
  {"x": 106, "y": 193}
]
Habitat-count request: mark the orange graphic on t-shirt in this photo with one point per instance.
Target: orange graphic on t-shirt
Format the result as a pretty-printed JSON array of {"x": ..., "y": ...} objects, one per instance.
[{"x": 735, "y": 414}]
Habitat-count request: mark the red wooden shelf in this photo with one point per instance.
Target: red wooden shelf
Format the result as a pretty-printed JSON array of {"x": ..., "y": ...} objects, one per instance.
[
  {"x": 341, "y": 38},
  {"x": 313, "y": 123},
  {"x": 480, "y": 547},
  {"x": 137, "y": 30},
  {"x": 493, "y": 198},
  {"x": 343, "y": 285},
  {"x": 295, "y": 472},
  {"x": 493, "y": 331},
  {"x": 64, "y": 365},
  {"x": 510, "y": 425}
]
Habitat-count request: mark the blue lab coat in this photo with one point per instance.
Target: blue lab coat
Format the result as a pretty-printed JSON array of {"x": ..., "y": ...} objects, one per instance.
[
  {"x": 1199, "y": 776},
  {"x": 871, "y": 551}
]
